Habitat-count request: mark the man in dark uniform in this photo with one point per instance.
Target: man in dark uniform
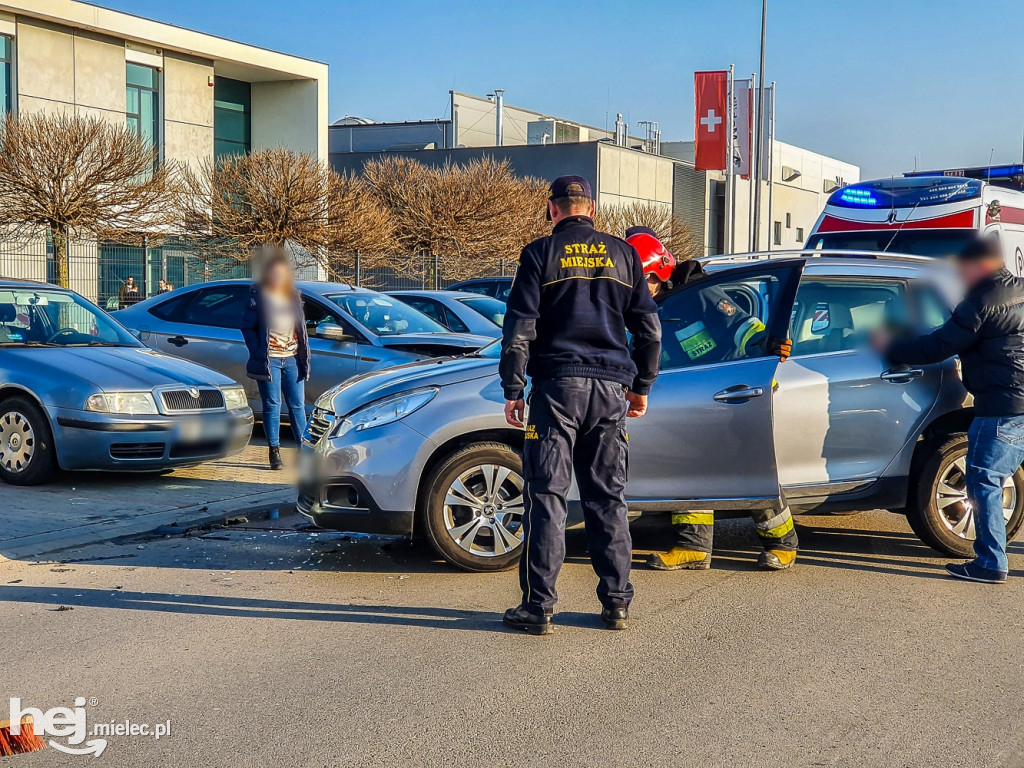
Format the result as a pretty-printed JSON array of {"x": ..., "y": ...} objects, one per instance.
[{"x": 575, "y": 295}]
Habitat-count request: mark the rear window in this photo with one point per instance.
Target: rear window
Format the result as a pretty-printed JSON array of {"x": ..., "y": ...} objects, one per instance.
[
  {"x": 490, "y": 308},
  {"x": 916, "y": 242}
]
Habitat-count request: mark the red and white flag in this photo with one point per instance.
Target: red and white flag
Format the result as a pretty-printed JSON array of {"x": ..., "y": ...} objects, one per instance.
[{"x": 711, "y": 128}]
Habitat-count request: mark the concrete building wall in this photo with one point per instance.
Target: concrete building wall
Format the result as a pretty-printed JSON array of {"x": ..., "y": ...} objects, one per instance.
[
  {"x": 627, "y": 176},
  {"x": 188, "y": 108},
  {"x": 287, "y": 113}
]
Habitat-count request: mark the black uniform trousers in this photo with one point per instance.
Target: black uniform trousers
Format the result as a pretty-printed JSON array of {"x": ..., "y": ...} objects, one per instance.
[{"x": 575, "y": 423}]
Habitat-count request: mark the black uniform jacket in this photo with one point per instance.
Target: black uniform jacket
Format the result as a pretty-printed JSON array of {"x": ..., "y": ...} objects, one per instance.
[
  {"x": 987, "y": 331},
  {"x": 575, "y": 294}
]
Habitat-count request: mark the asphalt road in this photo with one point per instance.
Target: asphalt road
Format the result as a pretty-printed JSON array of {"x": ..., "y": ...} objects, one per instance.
[{"x": 276, "y": 647}]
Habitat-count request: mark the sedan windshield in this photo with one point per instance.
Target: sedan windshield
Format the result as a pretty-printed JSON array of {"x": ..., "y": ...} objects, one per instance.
[
  {"x": 40, "y": 317},
  {"x": 385, "y": 316},
  {"x": 492, "y": 309}
]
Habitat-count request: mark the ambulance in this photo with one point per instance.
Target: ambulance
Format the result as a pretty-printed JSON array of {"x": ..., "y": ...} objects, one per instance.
[{"x": 931, "y": 213}]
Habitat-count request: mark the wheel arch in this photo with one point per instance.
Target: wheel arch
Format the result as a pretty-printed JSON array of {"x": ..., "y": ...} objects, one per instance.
[
  {"x": 948, "y": 424},
  {"x": 511, "y": 437}
]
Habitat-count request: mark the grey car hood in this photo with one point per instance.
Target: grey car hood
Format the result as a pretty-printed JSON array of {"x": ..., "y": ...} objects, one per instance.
[
  {"x": 454, "y": 341},
  {"x": 360, "y": 390},
  {"x": 113, "y": 369}
]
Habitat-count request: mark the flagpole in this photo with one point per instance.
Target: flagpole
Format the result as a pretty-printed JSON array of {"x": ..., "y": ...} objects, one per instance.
[
  {"x": 755, "y": 160},
  {"x": 771, "y": 162},
  {"x": 756, "y": 178},
  {"x": 730, "y": 176}
]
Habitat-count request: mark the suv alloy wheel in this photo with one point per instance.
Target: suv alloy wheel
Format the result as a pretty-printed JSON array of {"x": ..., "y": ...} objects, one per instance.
[{"x": 942, "y": 515}]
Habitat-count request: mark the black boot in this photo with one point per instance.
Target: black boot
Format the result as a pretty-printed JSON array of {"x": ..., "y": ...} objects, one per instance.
[
  {"x": 276, "y": 462},
  {"x": 615, "y": 618},
  {"x": 533, "y": 623}
]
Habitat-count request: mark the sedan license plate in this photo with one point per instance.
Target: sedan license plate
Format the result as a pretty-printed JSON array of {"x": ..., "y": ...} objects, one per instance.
[{"x": 200, "y": 430}]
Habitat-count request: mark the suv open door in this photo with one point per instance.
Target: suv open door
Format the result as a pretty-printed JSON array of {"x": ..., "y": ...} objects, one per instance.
[{"x": 706, "y": 441}]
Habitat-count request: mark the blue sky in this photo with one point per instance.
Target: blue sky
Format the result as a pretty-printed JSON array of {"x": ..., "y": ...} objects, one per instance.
[{"x": 875, "y": 82}]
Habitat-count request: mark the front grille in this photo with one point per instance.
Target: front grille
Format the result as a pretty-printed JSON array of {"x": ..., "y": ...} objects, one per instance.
[
  {"x": 306, "y": 498},
  {"x": 183, "y": 400},
  {"x": 137, "y": 450},
  {"x": 319, "y": 424}
]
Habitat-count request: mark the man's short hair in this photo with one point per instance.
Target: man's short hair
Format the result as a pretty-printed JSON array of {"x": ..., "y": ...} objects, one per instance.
[
  {"x": 981, "y": 248},
  {"x": 572, "y": 205}
]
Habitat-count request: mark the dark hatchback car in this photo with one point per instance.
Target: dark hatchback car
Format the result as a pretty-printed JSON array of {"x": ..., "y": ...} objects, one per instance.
[{"x": 498, "y": 287}]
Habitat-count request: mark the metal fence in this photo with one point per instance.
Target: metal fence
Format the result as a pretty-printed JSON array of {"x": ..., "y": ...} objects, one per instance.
[{"x": 98, "y": 270}]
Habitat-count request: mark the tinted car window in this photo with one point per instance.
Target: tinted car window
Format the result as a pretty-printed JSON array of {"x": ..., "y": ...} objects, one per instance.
[
  {"x": 428, "y": 307},
  {"x": 490, "y": 308},
  {"x": 453, "y": 322},
  {"x": 172, "y": 309},
  {"x": 483, "y": 289},
  {"x": 384, "y": 315},
  {"x": 220, "y": 306},
  {"x": 838, "y": 315}
]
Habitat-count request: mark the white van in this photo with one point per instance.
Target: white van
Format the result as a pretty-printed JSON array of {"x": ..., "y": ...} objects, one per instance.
[{"x": 933, "y": 213}]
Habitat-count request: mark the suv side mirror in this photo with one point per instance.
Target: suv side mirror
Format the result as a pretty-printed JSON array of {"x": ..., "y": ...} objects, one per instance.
[{"x": 332, "y": 331}]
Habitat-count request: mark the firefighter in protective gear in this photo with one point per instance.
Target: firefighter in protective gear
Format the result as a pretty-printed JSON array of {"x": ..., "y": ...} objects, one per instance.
[{"x": 723, "y": 326}]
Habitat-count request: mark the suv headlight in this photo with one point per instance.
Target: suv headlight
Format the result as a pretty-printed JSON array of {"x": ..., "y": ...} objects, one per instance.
[
  {"x": 130, "y": 403},
  {"x": 234, "y": 398},
  {"x": 384, "y": 411}
]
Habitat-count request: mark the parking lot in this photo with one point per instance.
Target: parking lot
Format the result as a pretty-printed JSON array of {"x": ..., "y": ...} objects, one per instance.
[{"x": 270, "y": 643}]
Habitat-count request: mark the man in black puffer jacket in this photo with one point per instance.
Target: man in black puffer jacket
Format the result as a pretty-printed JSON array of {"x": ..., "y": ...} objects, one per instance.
[{"x": 987, "y": 332}]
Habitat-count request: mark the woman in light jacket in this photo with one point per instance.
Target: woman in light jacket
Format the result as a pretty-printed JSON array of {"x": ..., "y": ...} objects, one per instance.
[{"x": 274, "y": 328}]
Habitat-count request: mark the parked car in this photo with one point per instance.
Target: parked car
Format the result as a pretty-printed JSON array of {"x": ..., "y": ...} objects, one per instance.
[
  {"x": 458, "y": 311},
  {"x": 78, "y": 391},
  {"x": 835, "y": 428},
  {"x": 351, "y": 331},
  {"x": 498, "y": 287}
]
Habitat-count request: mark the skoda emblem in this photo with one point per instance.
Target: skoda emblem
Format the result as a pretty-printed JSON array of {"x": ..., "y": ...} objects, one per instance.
[{"x": 194, "y": 391}]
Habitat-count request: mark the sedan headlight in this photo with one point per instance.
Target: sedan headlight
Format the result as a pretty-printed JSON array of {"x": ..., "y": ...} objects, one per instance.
[
  {"x": 130, "y": 403},
  {"x": 234, "y": 397},
  {"x": 384, "y": 411}
]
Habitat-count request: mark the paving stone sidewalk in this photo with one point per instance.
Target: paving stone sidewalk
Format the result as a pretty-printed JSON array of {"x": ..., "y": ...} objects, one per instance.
[{"x": 88, "y": 507}]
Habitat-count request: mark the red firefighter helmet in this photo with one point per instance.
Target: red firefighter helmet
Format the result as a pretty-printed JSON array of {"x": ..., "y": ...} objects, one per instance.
[{"x": 653, "y": 255}]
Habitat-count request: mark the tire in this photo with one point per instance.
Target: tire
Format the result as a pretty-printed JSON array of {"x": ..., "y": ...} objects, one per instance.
[
  {"x": 27, "y": 454},
  {"x": 485, "y": 532},
  {"x": 939, "y": 514}
]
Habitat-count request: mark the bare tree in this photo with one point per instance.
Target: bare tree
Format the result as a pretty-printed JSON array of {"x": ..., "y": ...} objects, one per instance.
[
  {"x": 357, "y": 223},
  {"x": 236, "y": 206},
  {"x": 673, "y": 232},
  {"x": 470, "y": 216},
  {"x": 79, "y": 177}
]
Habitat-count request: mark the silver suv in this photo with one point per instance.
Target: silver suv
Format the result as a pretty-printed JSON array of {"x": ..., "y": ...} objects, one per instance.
[{"x": 424, "y": 447}]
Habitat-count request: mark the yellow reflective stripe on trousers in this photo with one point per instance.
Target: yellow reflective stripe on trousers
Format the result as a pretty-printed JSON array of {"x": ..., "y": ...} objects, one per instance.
[
  {"x": 693, "y": 518},
  {"x": 777, "y": 527}
]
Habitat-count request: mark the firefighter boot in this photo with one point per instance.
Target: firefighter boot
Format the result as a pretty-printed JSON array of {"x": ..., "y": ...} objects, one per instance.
[
  {"x": 777, "y": 559},
  {"x": 680, "y": 559}
]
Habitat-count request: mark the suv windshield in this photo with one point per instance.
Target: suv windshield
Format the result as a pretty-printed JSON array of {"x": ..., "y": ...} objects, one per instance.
[
  {"x": 917, "y": 242},
  {"x": 40, "y": 317},
  {"x": 385, "y": 316}
]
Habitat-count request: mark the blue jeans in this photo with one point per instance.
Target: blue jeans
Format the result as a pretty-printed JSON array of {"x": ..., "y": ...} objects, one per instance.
[
  {"x": 284, "y": 380},
  {"x": 995, "y": 450}
]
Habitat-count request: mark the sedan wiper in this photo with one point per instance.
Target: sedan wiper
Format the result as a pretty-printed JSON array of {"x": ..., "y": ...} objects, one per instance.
[{"x": 29, "y": 344}]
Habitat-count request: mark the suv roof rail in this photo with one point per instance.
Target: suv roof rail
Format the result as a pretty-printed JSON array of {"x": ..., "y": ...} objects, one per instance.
[{"x": 816, "y": 254}]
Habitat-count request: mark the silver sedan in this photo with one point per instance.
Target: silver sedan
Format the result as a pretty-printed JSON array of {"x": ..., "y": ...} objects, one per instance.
[
  {"x": 351, "y": 331},
  {"x": 458, "y": 311},
  {"x": 78, "y": 391}
]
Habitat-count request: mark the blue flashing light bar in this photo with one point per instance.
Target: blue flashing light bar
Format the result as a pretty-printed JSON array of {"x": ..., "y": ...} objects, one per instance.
[
  {"x": 907, "y": 192},
  {"x": 857, "y": 196}
]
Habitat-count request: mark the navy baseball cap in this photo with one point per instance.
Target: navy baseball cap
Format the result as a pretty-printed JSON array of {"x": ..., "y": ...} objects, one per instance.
[
  {"x": 640, "y": 231},
  {"x": 569, "y": 186}
]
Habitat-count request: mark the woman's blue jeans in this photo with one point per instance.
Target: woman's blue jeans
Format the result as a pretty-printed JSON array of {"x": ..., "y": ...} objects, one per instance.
[
  {"x": 994, "y": 452},
  {"x": 284, "y": 384}
]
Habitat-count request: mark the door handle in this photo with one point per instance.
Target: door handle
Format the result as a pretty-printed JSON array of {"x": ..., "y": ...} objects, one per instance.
[
  {"x": 901, "y": 375},
  {"x": 178, "y": 341},
  {"x": 739, "y": 393}
]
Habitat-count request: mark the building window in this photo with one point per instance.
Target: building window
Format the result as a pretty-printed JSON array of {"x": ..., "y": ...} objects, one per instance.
[
  {"x": 6, "y": 97},
  {"x": 800, "y": 234},
  {"x": 777, "y": 238},
  {"x": 142, "y": 102},
  {"x": 232, "y": 119},
  {"x": 789, "y": 221}
]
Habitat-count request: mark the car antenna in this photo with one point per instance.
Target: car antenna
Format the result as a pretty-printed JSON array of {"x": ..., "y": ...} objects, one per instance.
[{"x": 901, "y": 226}]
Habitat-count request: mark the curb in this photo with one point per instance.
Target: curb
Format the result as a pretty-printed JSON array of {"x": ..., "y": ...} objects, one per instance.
[{"x": 170, "y": 522}]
